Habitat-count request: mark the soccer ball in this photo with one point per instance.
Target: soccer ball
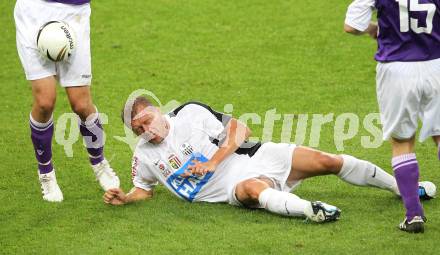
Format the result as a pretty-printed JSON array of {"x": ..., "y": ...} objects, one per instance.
[{"x": 56, "y": 41}]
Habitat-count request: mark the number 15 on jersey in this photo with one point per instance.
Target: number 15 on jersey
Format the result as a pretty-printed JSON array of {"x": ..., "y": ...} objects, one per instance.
[{"x": 414, "y": 6}]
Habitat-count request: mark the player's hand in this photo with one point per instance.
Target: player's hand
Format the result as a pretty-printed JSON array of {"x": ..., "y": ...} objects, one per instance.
[
  {"x": 114, "y": 196},
  {"x": 199, "y": 168}
]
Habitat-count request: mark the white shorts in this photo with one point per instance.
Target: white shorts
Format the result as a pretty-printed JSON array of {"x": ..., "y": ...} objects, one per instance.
[
  {"x": 272, "y": 161},
  {"x": 29, "y": 16},
  {"x": 406, "y": 92}
]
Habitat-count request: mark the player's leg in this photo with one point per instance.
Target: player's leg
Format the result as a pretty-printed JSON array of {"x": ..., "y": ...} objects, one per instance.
[
  {"x": 308, "y": 162},
  {"x": 399, "y": 97},
  {"x": 406, "y": 171},
  {"x": 259, "y": 193},
  {"x": 40, "y": 72},
  {"x": 76, "y": 76},
  {"x": 89, "y": 123},
  {"x": 91, "y": 129},
  {"x": 41, "y": 125},
  {"x": 41, "y": 121},
  {"x": 430, "y": 102}
]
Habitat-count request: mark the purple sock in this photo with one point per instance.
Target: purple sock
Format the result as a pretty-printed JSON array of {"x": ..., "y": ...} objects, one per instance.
[
  {"x": 406, "y": 171},
  {"x": 93, "y": 135},
  {"x": 41, "y": 135}
]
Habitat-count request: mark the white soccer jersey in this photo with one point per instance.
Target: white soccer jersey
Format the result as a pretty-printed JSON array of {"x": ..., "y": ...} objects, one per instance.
[{"x": 194, "y": 132}]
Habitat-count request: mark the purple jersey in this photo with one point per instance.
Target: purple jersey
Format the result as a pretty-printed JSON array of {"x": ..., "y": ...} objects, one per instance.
[
  {"x": 409, "y": 30},
  {"x": 76, "y": 2}
]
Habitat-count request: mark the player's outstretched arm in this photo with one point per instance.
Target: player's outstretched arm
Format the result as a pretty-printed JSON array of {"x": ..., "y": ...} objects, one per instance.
[{"x": 117, "y": 196}]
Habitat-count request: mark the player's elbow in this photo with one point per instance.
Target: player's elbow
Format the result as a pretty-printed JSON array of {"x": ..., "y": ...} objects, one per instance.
[
  {"x": 242, "y": 132},
  {"x": 351, "y": 30}
]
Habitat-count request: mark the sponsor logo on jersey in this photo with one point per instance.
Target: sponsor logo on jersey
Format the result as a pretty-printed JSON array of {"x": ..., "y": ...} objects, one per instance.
[
  {"x": 174, "y": 161},
  {"x": 188, "y": 187},
  {"x": 186, "y": 149},
  {"x": 163, "y": 168}
]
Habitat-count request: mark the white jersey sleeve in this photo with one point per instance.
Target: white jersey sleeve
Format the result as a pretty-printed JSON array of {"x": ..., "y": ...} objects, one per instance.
[
  {"x": 359, "y": 14},
  {"x": 213, "y": 123},
  {"x": 141, "y": 175}
]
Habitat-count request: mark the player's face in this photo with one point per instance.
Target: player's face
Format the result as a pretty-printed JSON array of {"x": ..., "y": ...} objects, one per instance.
[{"x": 150, "y": 124}]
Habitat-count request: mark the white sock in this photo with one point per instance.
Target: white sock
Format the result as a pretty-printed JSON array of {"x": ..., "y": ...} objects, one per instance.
[
  {"x": 91, "y": 119},
  {"x": 364, "y": 173},
  {"x": 39, "y": 125},
  {"x": 283, "y": 203}
]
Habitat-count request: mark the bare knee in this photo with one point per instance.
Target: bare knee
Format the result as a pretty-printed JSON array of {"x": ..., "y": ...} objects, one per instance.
[
  {"x": 329, "y": 162},
  {"x": 81, "y": 101},
  {"x": 253, "y": 188},
  {"x": 83, "y": 108},
  {"x": 44, "y": 93},
  {"x": 44, "y": 106},
  {"x": 248, "y": 191}
]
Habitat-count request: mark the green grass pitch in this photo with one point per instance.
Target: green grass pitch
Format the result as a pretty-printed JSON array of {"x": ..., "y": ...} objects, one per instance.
[{"x": 256, "y": 55}]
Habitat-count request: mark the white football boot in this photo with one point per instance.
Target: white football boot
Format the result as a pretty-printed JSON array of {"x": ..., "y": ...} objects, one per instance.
[
  {"x": 105, "y": 175},
  {"x": 427, "y": 190},
  {"x": 49, "y": 187},
  {"x": 322, "y": 212}
]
